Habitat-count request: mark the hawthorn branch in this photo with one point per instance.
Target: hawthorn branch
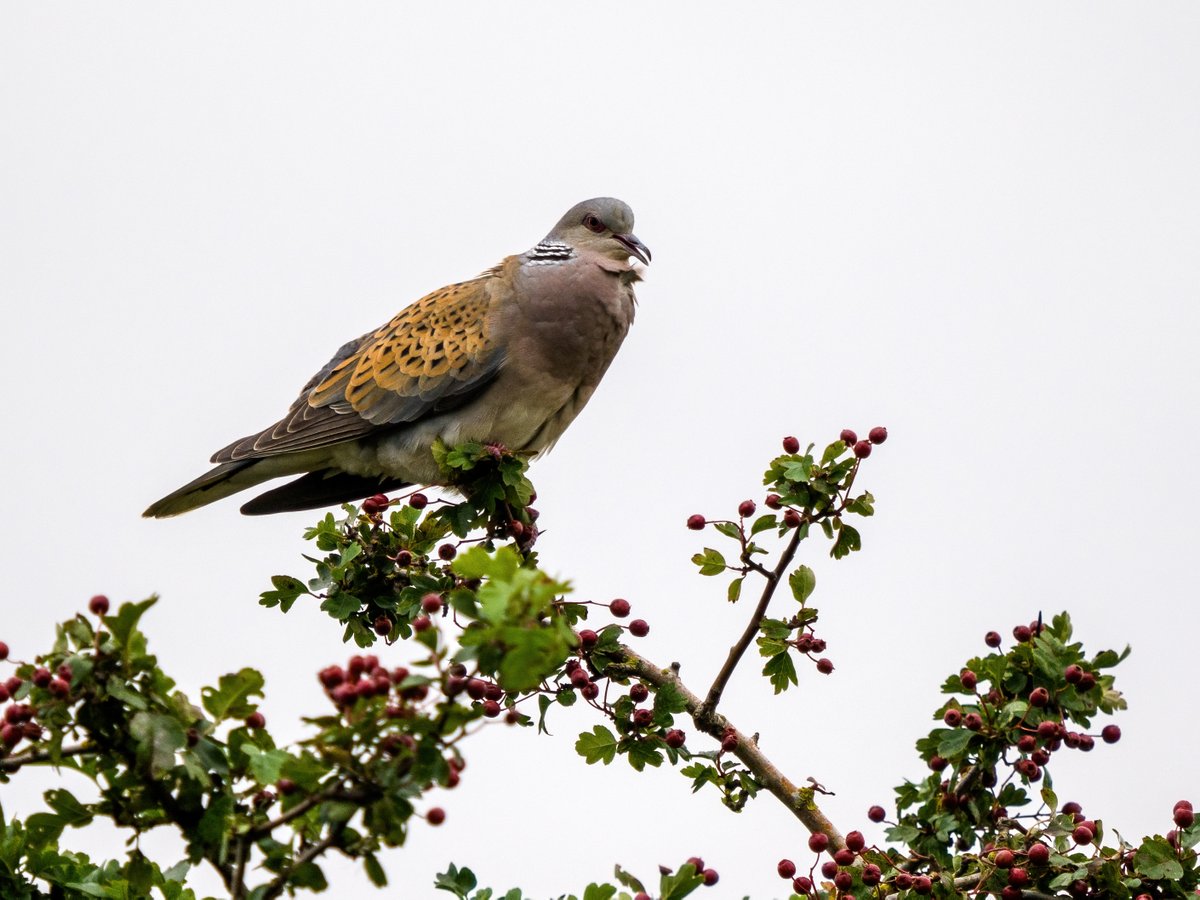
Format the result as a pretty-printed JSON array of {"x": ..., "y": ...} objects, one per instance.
[
  {"x": 280, "y": 882},
  {"x": 709, "y": 707},
  {"x": 36, "y": 755},
  {"x": 798, "y": 800}
]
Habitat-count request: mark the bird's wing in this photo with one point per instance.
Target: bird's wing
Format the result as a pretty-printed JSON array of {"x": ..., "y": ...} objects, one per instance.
[{"x": 435, "y": 355}]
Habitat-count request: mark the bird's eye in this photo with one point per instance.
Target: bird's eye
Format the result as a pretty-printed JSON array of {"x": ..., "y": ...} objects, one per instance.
[{"x": 592, "y": 223}]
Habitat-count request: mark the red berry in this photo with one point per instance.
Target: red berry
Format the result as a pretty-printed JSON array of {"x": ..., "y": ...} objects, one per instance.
[
  {"x": 786, "y": 868},
  {"x": 802, "y": 885},
  {"x": 638, "y": 692},
  {"x": 588, "y": 639},
  {"x": 255, "y": 720},
  {"x": 848, "y": 437},
  {"x": 729, "y": 741},
  {"x": 492, "y": 691},
  {"x": 1184, "y": 817},
  {"x": 1086, "y": 742},
  {"x": 1111, "y": 734},
  {"x": 431, "y": 603},
  {"x": 773, "y": 501},
  {"x": 4, "y": 695},
  {"x": 447, "y": 552},
  {"x": 969, "y": 679},
  {"x": 1082, "y": 834},
  {"x": 435, "y": 816},
  {"x": 844, "y": 857},
  {"x": 1022, "y": 633},
  {"x": 643, "y": 718},
  {"x": 972, "y": 721},
  {"x": 3, "y": 650},
  {"x": 399, "y": 674},
  {"x": 903, "y": 881},
  {"x": 824, "y": 666},
  {"x": 1071, "y": 808},
  {"x": 746, "y": 508},
  {"x": 1004, "y": 859},
  {"x": 420, "y": 623},
  {"x": 42, "y": 677},
  {"x": 876, "y": 814},
  {"x": 1184, "y": 804},
  {"x": 696, "y": 522},
  {"x": 696, "y": 863},
  {"x": 60, "y": 688},
  {"x": 675, "y": 738},
  {"x": 619, "y": 608},
  {"x": 710, "y": 877},
  {"x": 477, "y": 686},
  {"x": 98, "y": 605},
  {"x": 286, "y": 786},
  {"x": 855, "y": 842},
  {"x": 871, "y": 874},
  {"x": 878, "y": 434},
  {"x": 1039, "y": 854},
  {"x": 937, "y": 763},
  {"x": 791, "y": 444},
  {"x": 843, "y": 880},
  {"x": 952, "y": 717},
  {"x": 791, "y": 518},
  {"x": 10, "y": 734},
  {"x": 1040, "y": 757},
  {"x": 404, "y": 559},
  {"x": 922, "y": 884},
  {"x": 1087, "y": 681},
  {"x": 1048, "y": 730},
  {"x": 639, "y": 628},
  {"x": 491, "y": 708},
  {"x": 1039, "y": 696},
  {"x": 818, "y": 842},
  {"x": 862, "y": 449},
  {"x": 590, "y": 691},
  {"x": 992, "y": 639},
  {"x": 1018, "y": 876},
  {"x": 1073, "y": 674},
  {"x": 383, "y": 625},
  {"x": 418, "y": 501},
  {"x": 829, "y": 868},
  {"x": 1011, "y": 893}
]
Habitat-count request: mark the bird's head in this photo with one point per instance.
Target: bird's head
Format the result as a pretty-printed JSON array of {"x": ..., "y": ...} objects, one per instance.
[{"x": 603, "y": 225}]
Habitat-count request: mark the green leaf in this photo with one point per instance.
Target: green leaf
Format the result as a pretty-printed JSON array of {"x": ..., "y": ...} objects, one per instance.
[
  {"x": 710, "y": 562},
  {"x": 848, "y": 540},
  {"x": 265, "y": 765},
  {"x": 70, "y": 810},
  {"x": 459, "y": 882},
  {"x": 374, "y": 870},
  {"x": 643, "y": 753},
  {"x": 1157, "y": 859},
  {"x": 735, "y": 589},
  {"x": 600, "y": 745},
  {"x": 599, "y": 892},
  {"x": 158, "y": 738},
  {"x": 230, "y": 699},
  {"x": 803, "y": 582},
  {"x": 729, "y": 529},
  {"x": 781, "y": 670},
  {"x": 764, "y": 523},
  {"x": 124, "y": 624}
]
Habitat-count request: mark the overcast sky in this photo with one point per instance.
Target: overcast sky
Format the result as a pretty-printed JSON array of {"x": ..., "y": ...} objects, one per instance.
[{"x": 976, "y": 225}]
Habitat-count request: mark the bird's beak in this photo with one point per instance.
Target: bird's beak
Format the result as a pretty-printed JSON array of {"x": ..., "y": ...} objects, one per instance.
[{"x": 635, "y": 247}]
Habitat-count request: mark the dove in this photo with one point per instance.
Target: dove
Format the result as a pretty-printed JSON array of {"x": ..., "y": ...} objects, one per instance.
[{"x": 507, "y": 358}]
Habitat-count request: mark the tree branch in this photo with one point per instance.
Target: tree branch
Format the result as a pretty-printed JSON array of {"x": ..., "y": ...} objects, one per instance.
[
  {"x": 709, "y": 707},
  {"x": 798, "y": 800},
  {"x": 277, "y": 886},
  {"x": 33, "y": 756}
]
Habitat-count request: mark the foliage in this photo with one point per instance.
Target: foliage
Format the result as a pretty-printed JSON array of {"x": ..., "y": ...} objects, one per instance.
[{"x": 500, "y": 642}]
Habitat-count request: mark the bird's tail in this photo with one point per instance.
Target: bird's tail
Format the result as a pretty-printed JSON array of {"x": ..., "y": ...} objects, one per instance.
[{"x": 227, "y": 478}]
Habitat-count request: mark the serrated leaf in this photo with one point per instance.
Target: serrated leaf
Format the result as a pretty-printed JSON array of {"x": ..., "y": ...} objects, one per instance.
[
  {"x": 802, "y": 582},
  {"x": 231, "y": 697},
  {"x": 711, "y": 562},
  {"x": 598, "y": 745},
  {"x": 1157, "y": 859},
  {"x": 848, "y": 540},
  {"x": 729, "y": 529},
  {"x": 781, "y": 671}
]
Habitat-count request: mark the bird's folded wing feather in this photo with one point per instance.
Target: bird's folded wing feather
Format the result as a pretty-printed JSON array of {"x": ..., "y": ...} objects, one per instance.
[{"x": 434, "y": 355}]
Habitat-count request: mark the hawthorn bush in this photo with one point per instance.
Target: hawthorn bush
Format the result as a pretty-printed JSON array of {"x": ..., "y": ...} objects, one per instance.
[{"x": 497, "y": 640}]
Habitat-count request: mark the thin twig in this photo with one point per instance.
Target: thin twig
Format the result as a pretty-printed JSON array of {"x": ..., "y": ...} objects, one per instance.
[
  {"x": 36, "y": 755},
  {"x": 709, "y": 707},
  {"x": 798, "y": 800},
  {"x": 276, "y": 887}
]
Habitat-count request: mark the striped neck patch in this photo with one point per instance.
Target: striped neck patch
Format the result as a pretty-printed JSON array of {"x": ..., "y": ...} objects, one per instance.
[{"x": 547, "y": 253}]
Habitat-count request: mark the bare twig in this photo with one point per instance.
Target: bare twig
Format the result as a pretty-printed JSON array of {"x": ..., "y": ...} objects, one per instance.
[
  {"x": 279, "y": 883},
  {"x": 798, "y": 800}
]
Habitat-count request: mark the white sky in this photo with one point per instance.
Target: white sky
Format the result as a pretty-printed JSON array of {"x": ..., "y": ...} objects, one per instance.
[{"x": 978, "y": 226}]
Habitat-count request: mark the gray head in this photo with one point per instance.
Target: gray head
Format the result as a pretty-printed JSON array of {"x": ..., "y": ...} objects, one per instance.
[{"x": 603, "y": 225}]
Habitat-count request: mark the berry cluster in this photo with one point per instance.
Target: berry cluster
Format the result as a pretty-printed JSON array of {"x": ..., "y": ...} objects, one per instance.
[{"x": 48, "y": 690}]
